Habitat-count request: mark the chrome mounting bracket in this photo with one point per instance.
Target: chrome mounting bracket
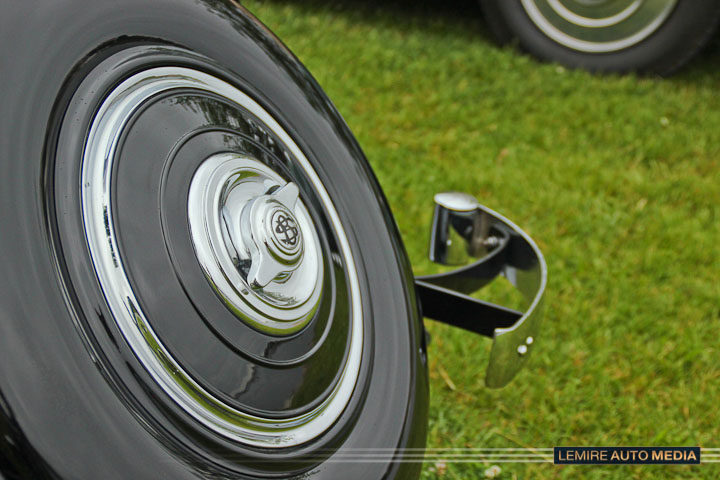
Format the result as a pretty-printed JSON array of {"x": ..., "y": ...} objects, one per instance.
[{"x": 489, "y": 245}]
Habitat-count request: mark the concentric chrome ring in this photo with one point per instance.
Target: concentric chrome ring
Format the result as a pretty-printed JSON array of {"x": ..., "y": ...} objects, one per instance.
[
  {"x": 99, "y": 156},
  {"x": 598, "y": 26}
]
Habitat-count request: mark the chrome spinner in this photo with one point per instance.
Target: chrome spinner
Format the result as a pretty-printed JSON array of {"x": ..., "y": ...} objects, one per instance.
[{"x": 256, "y": 243}]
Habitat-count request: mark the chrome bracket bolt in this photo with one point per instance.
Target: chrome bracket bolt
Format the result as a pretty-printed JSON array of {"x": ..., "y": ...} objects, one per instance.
[{"x": 523, "y": 349}]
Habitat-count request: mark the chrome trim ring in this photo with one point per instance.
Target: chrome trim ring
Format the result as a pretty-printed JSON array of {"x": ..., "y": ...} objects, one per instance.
[
  {"x": 99, "y": 155},
  {"x": 598, "y": 26}
]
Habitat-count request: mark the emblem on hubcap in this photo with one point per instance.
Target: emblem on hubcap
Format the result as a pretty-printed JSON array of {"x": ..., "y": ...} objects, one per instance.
[{"x": 285, "y": 230}]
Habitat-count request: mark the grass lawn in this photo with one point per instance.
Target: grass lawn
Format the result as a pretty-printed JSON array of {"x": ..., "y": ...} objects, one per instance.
[{"x": 617, "y": 179}]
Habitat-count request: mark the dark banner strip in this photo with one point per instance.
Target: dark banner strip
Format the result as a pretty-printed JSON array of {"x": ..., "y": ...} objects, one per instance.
[{"x": 626, "y": 455}]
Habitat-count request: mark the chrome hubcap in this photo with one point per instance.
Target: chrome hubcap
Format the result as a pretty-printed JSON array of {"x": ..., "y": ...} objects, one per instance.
[
  {"x": 598, "y": 26},
  {"x": 256, "y": 243}
]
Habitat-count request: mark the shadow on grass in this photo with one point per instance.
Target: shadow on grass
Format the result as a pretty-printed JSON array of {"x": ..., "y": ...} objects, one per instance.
[
  {"x": 465, "y": 17},
  {"x": 462, "y": 15}
]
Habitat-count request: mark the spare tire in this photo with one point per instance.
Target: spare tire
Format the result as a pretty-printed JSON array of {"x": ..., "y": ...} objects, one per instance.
[{"x": 203, "y": 278}]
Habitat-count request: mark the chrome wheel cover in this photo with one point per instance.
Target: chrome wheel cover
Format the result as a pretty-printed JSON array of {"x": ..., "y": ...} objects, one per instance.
[
  {"x": 96, "y": 193},
  {"x": 598, "y": 26}
]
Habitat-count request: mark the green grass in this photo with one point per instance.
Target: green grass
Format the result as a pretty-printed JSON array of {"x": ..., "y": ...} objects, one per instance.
[{"x": 617, "y": 179}]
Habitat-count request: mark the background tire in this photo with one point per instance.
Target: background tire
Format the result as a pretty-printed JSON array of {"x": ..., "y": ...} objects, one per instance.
[
  {"x": 77, "y": 399},
  {"x": 648, "y": 37}
]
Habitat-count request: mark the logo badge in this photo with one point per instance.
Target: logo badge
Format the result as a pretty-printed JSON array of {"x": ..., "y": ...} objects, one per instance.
[{"x": 286, "y": 229}]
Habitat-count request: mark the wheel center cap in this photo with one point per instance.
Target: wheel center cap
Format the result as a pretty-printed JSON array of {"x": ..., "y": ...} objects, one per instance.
[{"x": 256, "y": 243}]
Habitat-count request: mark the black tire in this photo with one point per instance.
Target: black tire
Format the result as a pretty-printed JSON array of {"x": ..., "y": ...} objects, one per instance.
[
  {"x": 77, "y": 400},
  {"x": 685, "y": 29}
]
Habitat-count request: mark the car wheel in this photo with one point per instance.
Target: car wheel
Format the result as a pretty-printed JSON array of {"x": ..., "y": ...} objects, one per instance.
[
  {"x": 205, "y": 277},
  {"x": 608, "y": 36}
]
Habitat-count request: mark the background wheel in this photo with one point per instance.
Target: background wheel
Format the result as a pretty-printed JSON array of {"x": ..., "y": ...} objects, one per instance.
[
  {"x": 206, "y": 277},
  {"x": 655, "y": 36}
]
